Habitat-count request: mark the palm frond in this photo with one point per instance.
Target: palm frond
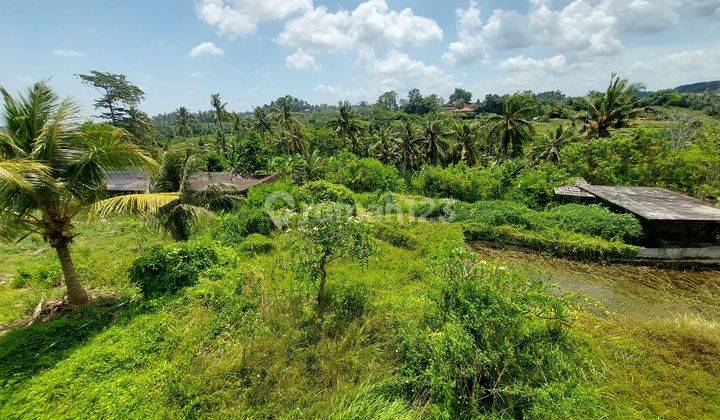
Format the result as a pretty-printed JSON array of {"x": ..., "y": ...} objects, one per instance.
[{"x": 132, "y": 204}]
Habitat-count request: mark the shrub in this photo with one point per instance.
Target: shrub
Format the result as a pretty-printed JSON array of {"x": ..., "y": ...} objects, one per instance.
[
  {"x": 553, "y": 241},
  {"x": 235, "y": 226},
  {"x": 363, "y": 175},
  {"x": 169, "y": 268},
  {"x": 395, "y": 235},
  {"x": 257, "y": 244},
  {"x": 595, "y": 220},
  {"x": 536, "y": 187},
  {"x": 43, "y": 275},
  {"x": 258, "y": 195},
  {"x": 417, "y": 206},
  {"x": 498, "y": 212},
  {"x": 459, "y": 182},
  {"x": 324, "y": 192},
  {"x": 495, "y": 342}
]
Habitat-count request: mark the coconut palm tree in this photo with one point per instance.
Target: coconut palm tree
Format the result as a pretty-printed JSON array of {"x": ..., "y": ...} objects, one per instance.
[
  {"x": 384, "y": 139},
  {"x": 348, "y": 126},
  {"x": 262, "y": 123},
  {"x": 465, "y": 144},
  {"x": 513, "y": 127},
  {"x": 612, "y": 109},
  {"x": 177, "y": 166},
  {"x": 434, "y": 143},
  {"x": 290, "y": 131},
  {"x": 219, "y": 117},
  {"x": 183, "y": 121},
  {"x": 405, "y": 149},
  {"x": 53, "y": 169},
  {"x": 548, "y": 147}
]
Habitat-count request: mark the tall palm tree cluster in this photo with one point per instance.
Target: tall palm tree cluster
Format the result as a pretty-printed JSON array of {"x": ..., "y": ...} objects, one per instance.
[{"x": 54, "y": 166}]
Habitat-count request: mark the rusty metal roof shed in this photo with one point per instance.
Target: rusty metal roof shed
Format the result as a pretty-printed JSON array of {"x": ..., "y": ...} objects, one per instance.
[
  {"x": 656, "y": 203},
  {"x": 647, "y": 203}
]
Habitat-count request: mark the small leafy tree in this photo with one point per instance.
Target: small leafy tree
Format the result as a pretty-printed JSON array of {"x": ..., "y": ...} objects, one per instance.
[{"x": 326, "y": 233}]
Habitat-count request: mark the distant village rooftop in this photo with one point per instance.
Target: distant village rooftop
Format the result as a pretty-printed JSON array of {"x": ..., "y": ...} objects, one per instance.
[{"x": 137, "y": 182}]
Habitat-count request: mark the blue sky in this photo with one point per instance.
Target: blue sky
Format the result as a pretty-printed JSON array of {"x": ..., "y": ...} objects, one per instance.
[{"x": 252, "y": 51}]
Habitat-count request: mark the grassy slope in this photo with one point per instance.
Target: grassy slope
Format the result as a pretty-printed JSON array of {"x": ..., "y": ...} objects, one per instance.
[{"x": 205, "y": 352}]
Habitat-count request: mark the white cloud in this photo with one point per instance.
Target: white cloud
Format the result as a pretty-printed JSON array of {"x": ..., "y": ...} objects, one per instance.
[
  {"x": 556, "y": 64},
  {"x": 241, "y": 17},
  {"x": 319, "y": 30},
  {"x": 205, "y": 48},
  {"x": 373, "y": 22},
  {"x": 643, "y": 16},
  {"x": 397, "y": 71},
  {"x": 578, "y": 30},
  {"x": 68, "y": 53},
  {"x": 327, "y": 89},
  {"x": 470, "y": 48},
  {"x": 196, "y": 75},
  {"x": 370, "y": 24},
  {"x": 507, "y": 29},
  {"x": 301, "y": 60}
]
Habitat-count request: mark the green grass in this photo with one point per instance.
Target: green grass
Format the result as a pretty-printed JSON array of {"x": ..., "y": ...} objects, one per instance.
[{"x": 243, "y": 342}]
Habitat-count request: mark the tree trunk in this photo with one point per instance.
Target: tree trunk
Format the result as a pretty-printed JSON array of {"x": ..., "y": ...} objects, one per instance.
[
  {"x": 321, "y": 289},
  {"x": 75, "y": 292}
]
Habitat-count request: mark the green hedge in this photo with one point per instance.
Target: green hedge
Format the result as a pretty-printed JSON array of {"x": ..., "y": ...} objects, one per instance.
[
  {"x": 459, "y": 182},
  {"x": 363, "y": 175},
  {"x": 553, "y": 241},
  {"x": 595, "y": 220},
  {"x": 169, "y": 268}
]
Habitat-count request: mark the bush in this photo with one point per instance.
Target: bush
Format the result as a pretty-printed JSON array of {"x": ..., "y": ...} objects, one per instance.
[
  {"x": 495, "y": 343},
  {"x": 395, "y": 235},
  {"x": 45, "y": 275},
  {"x": 498, "y": 212},
  {"x": 235, "y": 226},
  {"x": 459, "y": 182},
  {"x": 169, "y": 268},
  {"x": 324, "y": 192},
  {"x": 258, "y": 195},
  {"x": 595, "y": 220},
  {"x": 363, "y": 175},
  {"x": 536, "y": 187},
  {"x": 553, "y": 241},
  {"x": 257, "y": 244}
]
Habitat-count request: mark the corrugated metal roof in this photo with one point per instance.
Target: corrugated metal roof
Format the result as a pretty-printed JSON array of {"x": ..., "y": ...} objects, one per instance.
[{"x": 656, "y": 203}]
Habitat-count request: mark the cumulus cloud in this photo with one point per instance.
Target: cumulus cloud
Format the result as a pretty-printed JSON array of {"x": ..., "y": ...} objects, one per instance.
[
  {"x": 369, "y": 24},
  {"x": 556, "y": 64},
  {"x": 470, "y": 48},
  {"x": 68, "y": 53},
  {"x": 579, "y": 29},
  {"x": 301, "y": 60},
  {"x": 241, "y": 17},
  {"x": 319, "y": 30},
  {"x": 205, "y": 48},
  {"x": 687, "y": 66},
  {"x": 507, "y": 29},
  {"x": 398, "y": 71},
  {"x": 327, "y": 89}
]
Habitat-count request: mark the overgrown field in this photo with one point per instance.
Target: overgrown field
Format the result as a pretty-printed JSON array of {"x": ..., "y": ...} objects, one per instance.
[{"x": 245, "y": 341}]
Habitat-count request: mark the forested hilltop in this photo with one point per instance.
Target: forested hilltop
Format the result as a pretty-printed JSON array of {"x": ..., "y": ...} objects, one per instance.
[{"x": 409, "y": 258}]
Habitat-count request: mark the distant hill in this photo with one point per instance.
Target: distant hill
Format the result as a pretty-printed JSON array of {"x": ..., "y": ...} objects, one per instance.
[{"x": 703, "y": 87}]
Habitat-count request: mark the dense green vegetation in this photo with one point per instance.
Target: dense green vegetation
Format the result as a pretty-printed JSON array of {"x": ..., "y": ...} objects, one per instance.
[{"x": 356, "y": 285}]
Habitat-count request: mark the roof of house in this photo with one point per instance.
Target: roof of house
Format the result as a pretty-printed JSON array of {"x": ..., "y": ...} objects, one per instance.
[
  {"x": 136, "y": 182},
  {"x": 647, "y": 203}
]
